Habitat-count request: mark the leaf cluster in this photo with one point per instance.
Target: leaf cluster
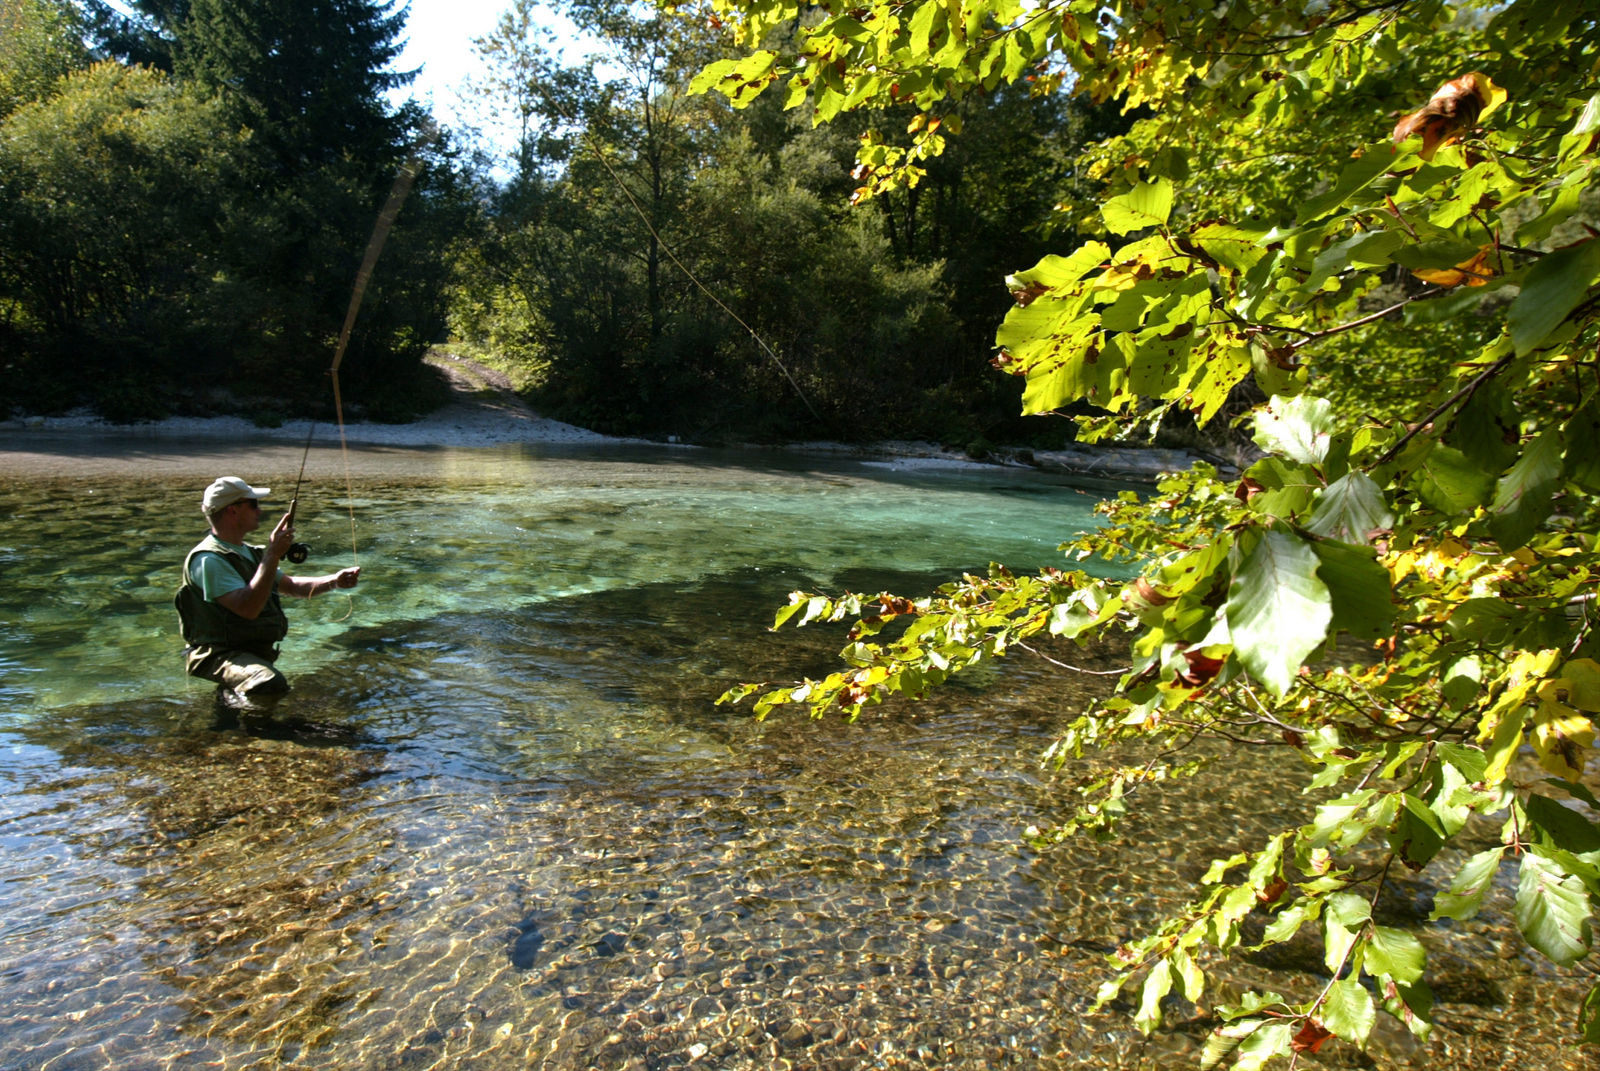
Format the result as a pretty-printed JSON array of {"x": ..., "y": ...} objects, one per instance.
[{"x": 1398, "y": 600}]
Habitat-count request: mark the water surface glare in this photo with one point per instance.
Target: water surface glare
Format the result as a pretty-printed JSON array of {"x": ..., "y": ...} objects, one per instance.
[{"x": 500, "y": 824}]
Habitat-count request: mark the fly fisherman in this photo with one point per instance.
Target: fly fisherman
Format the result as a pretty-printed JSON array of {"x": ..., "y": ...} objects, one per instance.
[{"x": 228, "y": 604}]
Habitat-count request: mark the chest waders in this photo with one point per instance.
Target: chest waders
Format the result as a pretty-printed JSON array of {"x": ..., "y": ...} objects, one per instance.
[{"x": 208, "y": 624}]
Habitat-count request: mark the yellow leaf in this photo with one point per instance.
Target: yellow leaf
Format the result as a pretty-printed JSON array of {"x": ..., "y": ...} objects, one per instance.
[
  {"x": 1583, "y": 676},
  {"x": 1560, "y": 737},
  {"x": 1475, "y": 271},
  {"x": 1525, "y": 673},
  {"x": 1507, "y": 738},
  {"x": 1492, "y": 95},
  {"x": 1400, "y": 565}
]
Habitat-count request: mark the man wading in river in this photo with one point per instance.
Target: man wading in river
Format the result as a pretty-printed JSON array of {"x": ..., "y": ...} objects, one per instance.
[{"x": 228, "y": 604}]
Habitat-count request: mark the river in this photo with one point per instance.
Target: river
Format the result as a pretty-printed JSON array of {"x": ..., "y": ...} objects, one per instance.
[{"x": 500, "y": 823}]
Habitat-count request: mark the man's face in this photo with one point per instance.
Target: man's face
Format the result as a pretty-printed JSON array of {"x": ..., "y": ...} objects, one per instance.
[{"x": 248, "y": 512}]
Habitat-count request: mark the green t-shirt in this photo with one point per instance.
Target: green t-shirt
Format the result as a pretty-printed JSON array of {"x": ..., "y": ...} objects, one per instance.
[{"x": 215, "y": 576}]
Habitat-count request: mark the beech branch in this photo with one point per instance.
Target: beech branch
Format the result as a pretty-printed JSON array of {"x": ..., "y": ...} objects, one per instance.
[{"x": 1459, "y": 396}]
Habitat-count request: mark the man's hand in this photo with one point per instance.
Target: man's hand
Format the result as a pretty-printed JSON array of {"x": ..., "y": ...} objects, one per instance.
[
  {"x": 282, "y": 536},
  {"x": 304, "y": 587}
]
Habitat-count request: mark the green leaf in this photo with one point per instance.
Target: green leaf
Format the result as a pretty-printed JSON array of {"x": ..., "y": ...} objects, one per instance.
[
  {"x": 1232, "y": 247},
  {"x": 1148, "y": 204},
  {"x": 1363, "y": 247},
  {"x": 1221, "y": 1042},
  {"x": 1452, "y": 815},
  {"x": 1288, "y": 923},
  {"x": 1287, "y": 487},
  {"x": 1561, "y": 827},
  {"x": 1560, "y": 207},
  {"x": 1375, "y": 160},
  {"x": 1192, "y": 982},
  {"x": 1054, "y": 271},
  {"x": 1349, "y": 509},
  {"x": 1348, "y": 1011},
  {"x": 1265, "y": 1042},
  {"x": 926, "y": 22},
  {"x": 1417, "y": 836},
  {"x": 1469, "y": 760},
  {"x": 1441, "y": 254},
  {"x": 1157, "y": 984},
  {"x": 1412, "y": 1005},
  {"x": 1483, "y": 620},
  {"x": 1277, "y": 609},
  {"x": 1578, "y": 791},
  {"x": 1583, "y": 689},
  {"x": 1359, "y": 589},
  {"x": 1552, "y": 289},
  {"x": 1251, "y": 1003},
  {"x": 1588, "y": 119},
  {"x": 1301, "y": 428},
  {"x": 1589, "y": 1015},
  {"x": 1522, "y": 497},
  {"x": 1332, "y": 816},
  {"x": 1487, "y": 429},
  {"x": 1395, "y": 953},
  {"x": 1447, "y": 306},
  {"x": 1347, "y": 909},
  {"x": 1468, "y": 888},
  {"x": 1582, "y": 436},
  {"x": 1552, "y": 909},
  {"x": 711, "y": 75},
  {"x": 1451, "y": 484}
]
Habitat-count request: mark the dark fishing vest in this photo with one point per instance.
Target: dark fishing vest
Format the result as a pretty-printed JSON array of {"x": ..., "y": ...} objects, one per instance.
[{"x": 207, "y": 624}]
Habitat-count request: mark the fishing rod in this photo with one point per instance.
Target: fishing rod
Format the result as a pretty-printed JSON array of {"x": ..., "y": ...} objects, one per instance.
[{"x": 299, "y": 552}]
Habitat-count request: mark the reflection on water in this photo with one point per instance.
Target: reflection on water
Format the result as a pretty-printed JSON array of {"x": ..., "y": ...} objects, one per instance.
[{"x": 503, "y": 826}]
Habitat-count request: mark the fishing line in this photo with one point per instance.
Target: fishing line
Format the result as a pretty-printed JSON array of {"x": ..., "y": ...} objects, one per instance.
[
  {"x": 583, "y": 132},
  {"x": 380, "y": 234}
]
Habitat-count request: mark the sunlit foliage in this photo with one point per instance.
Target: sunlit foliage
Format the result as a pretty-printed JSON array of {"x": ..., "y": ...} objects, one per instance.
[{"x": 1419, "y": 308}]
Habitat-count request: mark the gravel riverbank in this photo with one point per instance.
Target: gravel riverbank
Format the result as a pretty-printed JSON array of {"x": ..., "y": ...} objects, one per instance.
[{"x": 486, "y": 412}]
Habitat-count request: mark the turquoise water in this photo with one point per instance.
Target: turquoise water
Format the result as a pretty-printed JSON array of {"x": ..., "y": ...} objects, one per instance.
[
  {"x": 500, "y": 823},
  {"x": 472, "y": 533}
]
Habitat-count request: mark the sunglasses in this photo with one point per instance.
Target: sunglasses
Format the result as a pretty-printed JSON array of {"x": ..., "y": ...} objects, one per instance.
[{"x": 250, "y": 502}]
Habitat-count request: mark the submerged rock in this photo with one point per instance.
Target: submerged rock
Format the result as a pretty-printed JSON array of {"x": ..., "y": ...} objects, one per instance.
[{"x": 525, "y": 949}]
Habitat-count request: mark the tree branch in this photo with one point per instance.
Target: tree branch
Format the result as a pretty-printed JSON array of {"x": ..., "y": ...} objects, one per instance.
[
  {"x": 1461, "y": 395},
  {"x": 1363, "y": 321},
  {"x": 1075, "y": 669}
]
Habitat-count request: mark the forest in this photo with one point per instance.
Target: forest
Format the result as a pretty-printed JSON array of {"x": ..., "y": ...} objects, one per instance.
[{"x": 244, "y": 170}]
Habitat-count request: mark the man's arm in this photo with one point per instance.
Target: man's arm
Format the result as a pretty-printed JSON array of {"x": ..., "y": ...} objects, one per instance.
[
  {"x": 303, "y": 587},
  {"x": 248, "y": 601}
]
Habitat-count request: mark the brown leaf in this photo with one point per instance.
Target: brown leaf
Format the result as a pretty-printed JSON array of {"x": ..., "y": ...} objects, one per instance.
[
  {"x": 1311, "y": 1037},
  {"x": 1144, "y": 592},
  {"x": 1027, "y": 294},
  {"x": 1004, "y": 362},
  {"x": 1455, "y": 106},
  {"x": 1283, "y": 357},
  {"x": 1202, "y": 669},
  {"x": 1270, "y": 893}
]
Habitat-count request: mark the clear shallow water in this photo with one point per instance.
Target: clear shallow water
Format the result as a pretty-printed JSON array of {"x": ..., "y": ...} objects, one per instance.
[{"x": 500, "y": 823}]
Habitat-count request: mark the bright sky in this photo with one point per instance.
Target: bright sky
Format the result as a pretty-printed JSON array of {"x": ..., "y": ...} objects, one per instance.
[{"x": 439, "y": 37}]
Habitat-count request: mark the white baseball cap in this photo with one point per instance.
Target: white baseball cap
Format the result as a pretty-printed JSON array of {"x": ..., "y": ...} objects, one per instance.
[{"x": 228, "y": 490}]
